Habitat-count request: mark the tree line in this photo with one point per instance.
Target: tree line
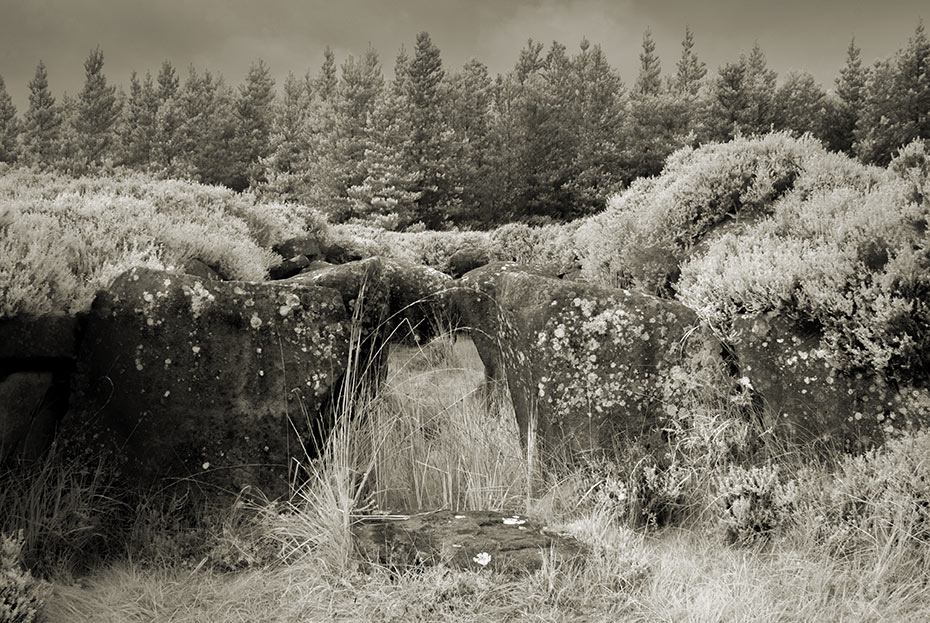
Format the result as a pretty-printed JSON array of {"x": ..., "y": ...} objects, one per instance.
[{"x": 548, "y": 140}]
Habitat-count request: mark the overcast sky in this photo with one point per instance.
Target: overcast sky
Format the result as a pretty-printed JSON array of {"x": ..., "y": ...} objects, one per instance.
[{"x": 226, "y": 36}]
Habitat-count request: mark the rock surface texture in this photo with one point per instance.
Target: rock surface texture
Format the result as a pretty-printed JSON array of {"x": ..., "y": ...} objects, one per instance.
[
  {"x": 213, "y": 381},
  {"x": 809, "y": 396},
  {"x": 473, "y": 540},
  {"x": 37, "y": 357},
  {"x": 590, "y": 366}
]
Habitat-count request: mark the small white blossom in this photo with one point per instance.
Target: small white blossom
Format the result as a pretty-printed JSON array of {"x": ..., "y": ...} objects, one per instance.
[{"x": 482, "y": 559}]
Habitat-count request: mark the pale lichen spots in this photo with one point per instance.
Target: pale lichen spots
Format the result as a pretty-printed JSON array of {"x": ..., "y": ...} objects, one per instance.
[
  {"x": 195, "y": 349},
  {"x": 255, "y": 322}
]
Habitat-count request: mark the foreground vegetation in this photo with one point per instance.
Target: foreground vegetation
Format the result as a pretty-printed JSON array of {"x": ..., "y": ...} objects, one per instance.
[{"x": 714, "y": 527}]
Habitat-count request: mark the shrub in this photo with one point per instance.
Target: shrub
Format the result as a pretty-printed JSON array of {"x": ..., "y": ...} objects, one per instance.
[
  {"x": 855, "y": 264},
  {"x": 21, "y": 595},
  {"x": 661, "y": 219},
  {"x": 753, "y": 502},
  {"x": 61, "y": 239},
  {"x": 880, "y": 497}
]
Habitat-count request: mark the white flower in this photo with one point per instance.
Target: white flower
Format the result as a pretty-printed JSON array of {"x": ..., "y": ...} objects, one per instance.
[{"x": 482, "y": 559}]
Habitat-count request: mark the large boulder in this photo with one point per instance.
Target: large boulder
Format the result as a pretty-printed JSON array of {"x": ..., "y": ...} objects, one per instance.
[
  {"x": 218, "y": 383},
  {"x": 807, "y": 393},
  {"x": 401, "y": 301},
  {"x": 591, "y": 366},
  {"x": 510, "y": 544}
]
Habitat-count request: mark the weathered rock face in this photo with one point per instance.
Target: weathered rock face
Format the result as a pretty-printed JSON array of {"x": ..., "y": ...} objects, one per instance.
[
  {"x": 216, "y": 381},
  {"x": 400, "y": 300},
  {"x": 592, "y": 365},
  {"x": 308, "y": 246},
  {"x": 467, "y": 260},
  {"x": 22, "y": 426},
  {"x": 809, "y": 397},
  {"x": 36, "y": 359},
  {"x": 466, "y": 540}
]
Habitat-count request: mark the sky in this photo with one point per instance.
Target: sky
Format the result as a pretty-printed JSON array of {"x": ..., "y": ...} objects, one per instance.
[{"x": 290, "y": 35}]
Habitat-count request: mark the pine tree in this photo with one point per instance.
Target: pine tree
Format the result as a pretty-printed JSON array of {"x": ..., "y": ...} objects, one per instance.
[
  {"x": 431, "y": 146},
  {"x": 167, "y": 144},
  {"x": 598, "y": 159},
  {"x": 391, "y": 187},
  {"x": 326, "y": 82},
  {"x": 468, "y": 114},
  {"x": 760, "y": 84},
  {"x": 253, "y": 118},
  {"x": 97, "y": 113},
  {"x": 288, "y": 138},
  {"x": 359, "y": 88},
  {"x": 896, "y": 108},
  {"x": 742, "y": 99},
  {"x": 9, "y": 126},
  {"x": 649, "y": 80},
  {"x": 42, "y": 122},
  {"x": 691, "y": 71},
  {"x": 850, "y": 92},
  {"x": 726, "y": 103},
  {"x": 137, "y": 133},
  {"x": 207, "y": 130},
  {"x": 801, "y": 106},
  {"x": 654, "y": 124}
]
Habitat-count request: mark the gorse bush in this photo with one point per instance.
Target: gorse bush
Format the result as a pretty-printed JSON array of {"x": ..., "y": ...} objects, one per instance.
[
  {"x": 880, "y": 497},
  {"x": 778, "y": 224},
  {"x": 21, "y": 595},
  {"x": 653, "y": 226},
  {"x": 753, "y": 502},
  {"x": 61, "y": 239},
  {"x": 853, "y": 263}
]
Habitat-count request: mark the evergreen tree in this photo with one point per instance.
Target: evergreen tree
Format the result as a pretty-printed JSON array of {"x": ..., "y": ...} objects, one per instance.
[
  {"x": 654, "y": 125},
  {"x": 726, "y": 103},
  {"x": 253, "y": 118},
  {"x": 801, "y": 105},
  {"x": 9, "y": 125},
  {"x": 896, "y": 108},
  {"x": 42, "y": 122},
  {"x": 691, "y": 71},
  {"x": 359, "y": 87},
  {"x": 288, "y": 137},
  {"x": 391, "y": 187},
  {"x": 326, "y": 82},
  {"x": 137, "y": 133},
  {"x": 649, "y": 81},
  {"x": 760, "y": 84},
  {"x": 598, "y": 158},
  {"x": 431, "y": 145},
  {"x": 167, "y": 144},
  {"x": 468, "y": 114},
  {"x": 207, "y": 130},
  {"x": 850, "y": 92},
  {"x": 742, "y": 99},
  {"x": 97, "y": 113}
]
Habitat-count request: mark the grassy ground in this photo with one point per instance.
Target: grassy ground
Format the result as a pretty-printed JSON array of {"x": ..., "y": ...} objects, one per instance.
[{"x": 679, "y": 539}]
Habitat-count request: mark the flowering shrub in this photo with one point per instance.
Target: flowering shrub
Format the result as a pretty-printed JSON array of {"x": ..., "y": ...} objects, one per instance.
[
  {"x": 881, "y": 495},
  {"x": 753, "y": 502},
  {"x": 61, "y": 239},
  {"x": 651, "y": 227},
  {"x": 854, "y": 263},
  {"x": 21, "y": 595}
]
